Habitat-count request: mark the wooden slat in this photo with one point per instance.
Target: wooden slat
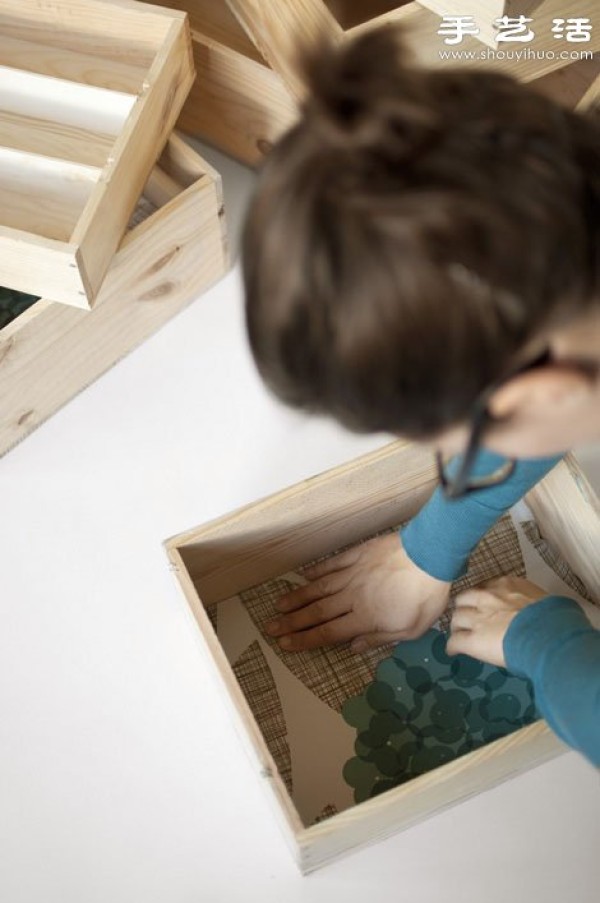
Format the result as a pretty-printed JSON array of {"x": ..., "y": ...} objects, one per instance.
[
  {"x": 215, "y": 22},
  {"x": 43, "y": 196},
  {"x": 111, "y": 29},
  {"x": 307, "y": 520},
  {"x": 80, "y": 106},
  {"x": 568, "y": 514},
  {"x": 278, "y": 30},
  {"x": 53, "y": 139},
  {"x": 86, "y": 69},
  {"x": 574, "y": 85},
  {"x": 107, "y": 213},
  {"x": 50, "y": 265}
]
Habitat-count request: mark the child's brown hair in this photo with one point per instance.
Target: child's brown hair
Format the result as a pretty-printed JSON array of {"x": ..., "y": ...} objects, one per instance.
[{"x": 412, "y": 234}]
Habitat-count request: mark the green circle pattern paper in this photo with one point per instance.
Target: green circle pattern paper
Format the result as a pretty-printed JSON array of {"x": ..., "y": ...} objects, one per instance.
[
  {"x": 12, "y": 304},
  {"x": 424, "y": 709}
]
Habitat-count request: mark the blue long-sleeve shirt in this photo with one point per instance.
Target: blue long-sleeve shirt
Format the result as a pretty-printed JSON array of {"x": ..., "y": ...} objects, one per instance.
[{"x": 551, "y": 642}]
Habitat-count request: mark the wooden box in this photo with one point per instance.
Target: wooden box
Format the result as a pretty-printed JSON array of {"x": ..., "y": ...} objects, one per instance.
[
  {"x": 237, "y": 103},
  {"x": 315, "y": 518},
  {"x": 52, "y": 351},
  {"x": 240, "y": 102},
  {"x": 90, "y": 90},
  {"x": 276, "y": 29}
]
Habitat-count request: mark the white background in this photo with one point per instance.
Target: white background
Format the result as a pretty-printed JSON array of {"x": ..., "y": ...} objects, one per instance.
[{"x": 121, "y": 777}]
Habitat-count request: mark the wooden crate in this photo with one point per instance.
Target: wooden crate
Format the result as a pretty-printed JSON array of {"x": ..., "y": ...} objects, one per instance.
[
  {"x": 52, "y": 351},
  {"x": 90, "y": 90},
  {"x": 237, "y": 103},
  {"x": 240, "y": 102},
  {"x": 276, "y": 28},
  {"x": 315, "y": 518}
]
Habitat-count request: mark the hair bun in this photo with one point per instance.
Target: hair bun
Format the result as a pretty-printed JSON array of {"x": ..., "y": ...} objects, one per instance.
[{"x": 363, "y": 95}]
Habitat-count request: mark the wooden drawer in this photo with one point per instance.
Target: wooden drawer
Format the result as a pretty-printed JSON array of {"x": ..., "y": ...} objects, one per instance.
[
  {"x": 90, "y": 90},
  {"x": 315, "y": 518},
  {"x": 52, "y": 351}
]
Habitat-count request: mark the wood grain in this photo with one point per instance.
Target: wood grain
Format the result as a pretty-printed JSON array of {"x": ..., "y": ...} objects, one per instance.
[
  {"x": 71, "y": 65},
  {"x": 237, "y": 104}
]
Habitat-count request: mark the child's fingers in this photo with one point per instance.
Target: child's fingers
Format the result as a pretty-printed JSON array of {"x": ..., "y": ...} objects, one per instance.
[
  {"x": 326, "y": 609},
  {"x": 331, "y": 565},
  {"x": 470, "y": 598},
  {"x": 331, "y": 633},
  {"x": 316, "y": 589}
]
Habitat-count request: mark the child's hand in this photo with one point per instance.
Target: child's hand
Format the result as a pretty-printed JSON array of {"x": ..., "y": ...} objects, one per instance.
[
  {"x": 483, "y": 615},
  {"x": 370, "y": 595}
]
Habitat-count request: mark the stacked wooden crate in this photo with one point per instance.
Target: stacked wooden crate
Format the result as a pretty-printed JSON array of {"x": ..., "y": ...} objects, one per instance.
[
  {"x": 90, "y": 91},
  {"x": 246, "y": 55}
]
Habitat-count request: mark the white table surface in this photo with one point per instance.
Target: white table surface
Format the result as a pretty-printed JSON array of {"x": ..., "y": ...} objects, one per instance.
[{"x": 121, "y": 777}]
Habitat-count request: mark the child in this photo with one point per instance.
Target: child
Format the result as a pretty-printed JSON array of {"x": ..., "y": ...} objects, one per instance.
[{"x": 422, "y": 257}]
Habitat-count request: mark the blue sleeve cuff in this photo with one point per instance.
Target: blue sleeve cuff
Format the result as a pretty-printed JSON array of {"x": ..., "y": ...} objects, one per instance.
[
  {"x": 442, "y": 536},
  {"x": 554, "y": 645}
]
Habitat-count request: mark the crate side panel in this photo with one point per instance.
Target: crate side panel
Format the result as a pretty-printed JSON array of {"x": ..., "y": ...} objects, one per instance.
[
  {"x": 567, "y": 511},
  {"x": 279, "y": 31},
  {"x": 240, "y": 106},
  {"x": 116, "y": 29},
  {"x": 243, "y": 720},
  {"x": 70, "y": 65},
  {"x": 216, "y": 23},
  {"x": 423, "y": 797},
  {"x": 38, "y": 265},
  {"x": 107, "y": 213},
  {"x": 307, "y": 521}
]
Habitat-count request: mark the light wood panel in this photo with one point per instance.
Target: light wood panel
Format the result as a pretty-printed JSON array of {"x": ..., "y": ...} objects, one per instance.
[
  {"x": 237, "y": 104},
  {"x": 58, "y": 62},
  {"x": 279, "y": 30},
  {"x": 42, "y": 196},
  {"x": 573, "y": 86}
]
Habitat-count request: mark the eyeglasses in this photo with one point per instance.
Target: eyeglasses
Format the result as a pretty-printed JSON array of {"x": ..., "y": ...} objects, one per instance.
[{"x": 462, "y": 482}]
